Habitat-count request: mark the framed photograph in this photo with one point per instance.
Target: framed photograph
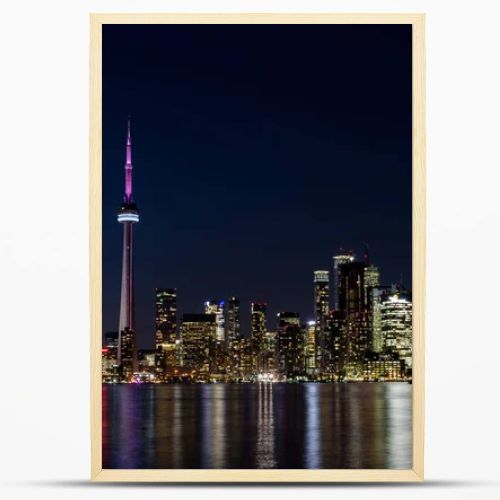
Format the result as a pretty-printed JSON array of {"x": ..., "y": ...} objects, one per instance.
[{"x": 257, "y": 247}]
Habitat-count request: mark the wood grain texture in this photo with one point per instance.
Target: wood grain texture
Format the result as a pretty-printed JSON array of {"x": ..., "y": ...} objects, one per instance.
[{"x": 419, "y": 252}]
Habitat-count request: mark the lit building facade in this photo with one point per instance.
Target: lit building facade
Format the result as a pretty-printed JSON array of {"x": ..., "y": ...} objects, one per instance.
[
  {"x": 198, "y": 332},
  {"x": 110, "y": 373},
  {"x": 396, "y": 320},
  {"x": 310, "y": 350},
  {"x": 233, "y": 320},
  {"x": 217, "y": 307},
  {"x": 338, "y": 260},
  {"x": 258, "y": 331},
  {"x": 321, "y": 313},
  {"x": 165, "y": 330},
  {"x": 290, "y": 345},
  {"x": 353, "y": 302}
]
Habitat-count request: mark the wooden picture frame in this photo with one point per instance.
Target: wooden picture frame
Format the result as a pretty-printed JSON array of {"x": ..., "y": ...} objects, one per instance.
[{"x": 416, "y": 473}]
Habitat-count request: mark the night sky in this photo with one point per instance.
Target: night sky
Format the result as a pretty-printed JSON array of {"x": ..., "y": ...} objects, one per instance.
[{"x": 258, "y": 152}]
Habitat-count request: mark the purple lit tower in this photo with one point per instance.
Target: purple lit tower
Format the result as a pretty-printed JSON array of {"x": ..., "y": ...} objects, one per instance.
[{"x": 128, "y": 215}]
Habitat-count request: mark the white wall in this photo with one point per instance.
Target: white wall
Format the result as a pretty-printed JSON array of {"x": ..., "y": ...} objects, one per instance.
[{"x": 44, "y": 450}]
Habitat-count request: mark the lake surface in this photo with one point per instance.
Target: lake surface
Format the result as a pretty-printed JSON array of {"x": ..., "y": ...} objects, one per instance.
[{"x": 247, "y": 426}]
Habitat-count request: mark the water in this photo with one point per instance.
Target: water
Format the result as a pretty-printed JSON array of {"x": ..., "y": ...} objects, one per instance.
[{"x": 247, "y": 426}]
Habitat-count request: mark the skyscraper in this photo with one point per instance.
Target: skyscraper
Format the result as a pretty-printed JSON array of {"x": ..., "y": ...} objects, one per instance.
[
  {"x": 233, "y": 321},
  {"x": 166, "y": 315},
  {"x": 290, "y": 348},
  {"x": 165, "y": 330},
  {"x": 258, "y": 331},
  {"x": 338, "y": 260},
  {"x": 396, "y": 320},
  {"x": 198, "y": 332},
  {"x": 128, "y": 215},
  {"x": 321, "y": 312},
  {"x": 353, "y": 302},
  {"x": 217, "y": 307}
]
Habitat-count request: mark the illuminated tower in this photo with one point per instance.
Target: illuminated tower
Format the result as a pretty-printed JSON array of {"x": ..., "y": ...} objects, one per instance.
[
  {"x": 321, "y": 313},
  {"x": 128, "y": 216},
  {"x": 338, "y": 261}
]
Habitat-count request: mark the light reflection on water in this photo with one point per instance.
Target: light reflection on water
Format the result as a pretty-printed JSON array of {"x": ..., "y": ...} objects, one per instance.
[{"x": 291, "y": 426}]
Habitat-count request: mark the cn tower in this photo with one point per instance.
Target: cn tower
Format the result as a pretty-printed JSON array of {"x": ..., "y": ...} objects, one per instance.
[{"x": 128, "y": 215}]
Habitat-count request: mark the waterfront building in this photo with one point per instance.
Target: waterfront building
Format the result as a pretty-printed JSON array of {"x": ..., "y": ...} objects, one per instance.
[
  {"x": 396, "y": 324},
  {"x": 269, "y": 353},
  {"x": 233, "y": 320},
  {"x": 321, "y": 313},
  {"x": 384, "y": 368},
  {"x": 146, "y": 360},
  {"x": 110, "y": 358},
  {"x": 241, "y": 359},
  {"x": 338, "y": 260},
  {"x": 198, "y": 332},
  {"x": 128, "y": 215},
  {"x": 217, "y": 307},
  {"x": 290, "y": 346},
  {"x": 378, "y": 296},
  {"x": 258, "y": 331},
  {"x": 353, "y": 302},
  {"x": 165, "y": 329},
  {"x": 310, "y": 350}
]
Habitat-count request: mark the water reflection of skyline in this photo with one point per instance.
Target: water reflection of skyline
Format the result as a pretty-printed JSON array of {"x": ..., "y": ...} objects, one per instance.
[{"x": 257, "y": 426}]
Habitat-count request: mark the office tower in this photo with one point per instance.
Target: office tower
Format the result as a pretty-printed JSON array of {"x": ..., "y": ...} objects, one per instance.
[
  {"x": 110, "y": 358},
  {"x": 269, "y": 353},
  {"x": 337, "y": 345},
  {"x": 378, "y": 295},
  {"x": 165, "y": 330},
  {"x": 396, "y": 321},
  {"x": 290, "y": 345},
  {"x": 310, "y": 351},
  {"x": 217, "y": 307},
  {"x": 198, "y": 332},
  {"x": 353, "y": 302},
  {"x": 258, "y": 330},
  {"x": 233, "y": 321},
  {"x": 241, "y": 359},
  {"x": 128, "y": 215},
  {"x": 372, "y": 276},
  {"x": 321, "y": 312},
  {"x": 166, "y": 315},
  {"x": 338, "y": 260}
]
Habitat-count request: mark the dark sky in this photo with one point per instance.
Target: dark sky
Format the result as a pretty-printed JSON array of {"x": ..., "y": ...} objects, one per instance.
[{"x": 258, "y": 151}]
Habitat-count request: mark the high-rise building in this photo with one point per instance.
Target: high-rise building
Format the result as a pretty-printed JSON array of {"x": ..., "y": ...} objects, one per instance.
[
  {"x": 166, "y": 315},
  {"x": 321, "y": 312},
  {"x": 110, "y": 358},
  {"x": 338, "y": 260},
  {"x": 258, "y": 331},
  {"x": 372, "y": 276},
  {"x": 269, "y": 353},
  {"x": 396, "y": 321},
  {"x": 378, "y": 295},
  {"x": 165, "y": 330},
  {"x": 290, "y": 345},
  {"x": 233, "y": 321},
  {"x": 337, "y": 345},
  {"x": 198, "y": 332},
  {"x": 310, "y": 352},
  {"x": 217, "y": 307},
  {"x": 353, "y": 302},
  {"x": 128, "y": 215}
]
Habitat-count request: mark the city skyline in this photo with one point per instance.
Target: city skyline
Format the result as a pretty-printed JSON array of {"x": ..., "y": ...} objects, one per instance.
[{"x": 328, "y": 169}]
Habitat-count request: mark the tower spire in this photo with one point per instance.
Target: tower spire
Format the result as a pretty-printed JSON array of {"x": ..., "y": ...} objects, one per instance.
[{"x": 128, "y": 166}]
